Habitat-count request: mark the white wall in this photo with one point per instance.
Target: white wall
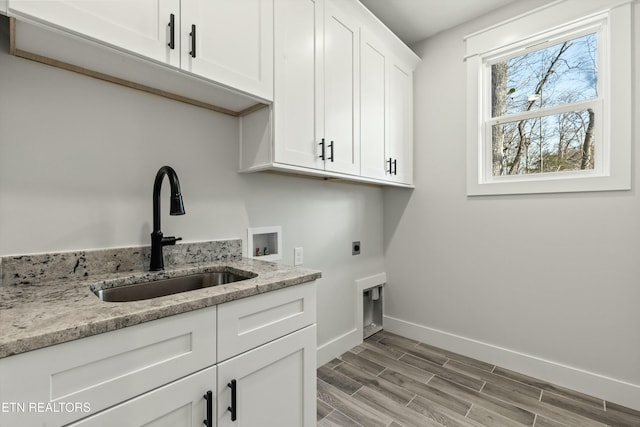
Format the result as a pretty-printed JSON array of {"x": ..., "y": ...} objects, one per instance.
[
  {"x": 547, "y": 284},
  {"x": 78, "y": 157}
]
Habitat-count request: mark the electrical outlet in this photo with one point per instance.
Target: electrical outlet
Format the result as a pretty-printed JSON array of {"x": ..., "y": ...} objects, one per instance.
[
  {"x": 355, "y": 248},
  {"x": 298, "y": 256}
]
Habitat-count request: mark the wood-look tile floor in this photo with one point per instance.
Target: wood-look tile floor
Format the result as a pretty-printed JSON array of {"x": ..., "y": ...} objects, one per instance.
[{"x": 392, "y": 381}]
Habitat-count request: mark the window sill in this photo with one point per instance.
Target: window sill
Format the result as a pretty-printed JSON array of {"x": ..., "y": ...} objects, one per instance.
[{"x": 548, "y": 183}]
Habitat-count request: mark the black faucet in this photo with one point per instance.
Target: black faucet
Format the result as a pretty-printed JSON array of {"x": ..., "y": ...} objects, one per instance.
[{"x": 176, "y": 208}]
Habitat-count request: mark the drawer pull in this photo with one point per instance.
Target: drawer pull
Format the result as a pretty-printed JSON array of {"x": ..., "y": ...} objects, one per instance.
[
  {"x": 322, "y": 152},
  {"x": 209, "y": 398},
  {"x": 172, "y": 31},
  {"x": 193, "y": 41},
  {"x": 234, "y": 404}
]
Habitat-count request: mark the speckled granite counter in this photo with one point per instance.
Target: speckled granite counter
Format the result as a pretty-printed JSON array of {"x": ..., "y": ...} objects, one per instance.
[{"x": 48, "y": 299}]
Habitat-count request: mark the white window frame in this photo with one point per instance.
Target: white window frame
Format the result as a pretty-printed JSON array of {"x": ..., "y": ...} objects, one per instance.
[{"x": 546, "y": 26}]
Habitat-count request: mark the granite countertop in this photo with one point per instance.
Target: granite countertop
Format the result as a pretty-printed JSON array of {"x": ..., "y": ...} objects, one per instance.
[{"x": 37, "y": 312}]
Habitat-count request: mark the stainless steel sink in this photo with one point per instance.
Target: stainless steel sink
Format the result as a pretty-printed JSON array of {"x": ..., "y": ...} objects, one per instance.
[{"x": 175, "y": 285}]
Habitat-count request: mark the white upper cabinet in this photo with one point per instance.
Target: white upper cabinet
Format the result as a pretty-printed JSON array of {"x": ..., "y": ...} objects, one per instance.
[
  {"x": 141, "y": 27},
  {"x": 298, "y": 113},
  {"x": 227, "y": 42},
  {"x": 374, "y": 95},
  {"x": 230, "y": 42},
  {"x": 386, "y": 121},
  {"x": 400, "y": 148},
  {"x": 341, "y": 97},
  {"x": 316, "y": 92}
]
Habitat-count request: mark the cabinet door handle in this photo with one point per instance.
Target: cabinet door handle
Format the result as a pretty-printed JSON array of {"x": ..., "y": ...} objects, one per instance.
[
  {"x": 172, "y": 31},
  {"x": 234, "y": 405},
  {"x": 390, "y": 170},
  {"x": 193, "y": 41},
  {"x": 395, "y": 166},
  {"x": 331, "y": 146},
  {"x": 322, "y": 151},
  {"x": 209, "y": 398}
]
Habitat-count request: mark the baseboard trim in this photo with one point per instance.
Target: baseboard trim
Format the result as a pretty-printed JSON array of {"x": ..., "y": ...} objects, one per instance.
[
  {"x": 590, "y": 383},
  {"x": 337, "y": 346}
]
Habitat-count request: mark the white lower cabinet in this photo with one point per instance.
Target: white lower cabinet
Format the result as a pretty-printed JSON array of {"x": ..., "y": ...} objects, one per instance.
[
  {"x": 267, "y": 359},
  {"x": 64, "y": 383},
  {"x": 183, "y": 403},
  {"x": 158, "y": 373},
  {"x": 271, "y": 386}
]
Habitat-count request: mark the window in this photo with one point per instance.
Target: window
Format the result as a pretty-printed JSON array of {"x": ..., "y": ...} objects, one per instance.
[
  {"x": 550, "y": 109},
  {"x": 543, "y": 105}
]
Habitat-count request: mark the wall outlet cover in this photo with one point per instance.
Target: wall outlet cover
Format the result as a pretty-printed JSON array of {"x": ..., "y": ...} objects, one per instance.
[{"x": 355, "y": 248}]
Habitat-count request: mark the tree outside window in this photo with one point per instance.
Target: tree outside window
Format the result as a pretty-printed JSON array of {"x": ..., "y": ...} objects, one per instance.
[{"x": 564, "y": 74}]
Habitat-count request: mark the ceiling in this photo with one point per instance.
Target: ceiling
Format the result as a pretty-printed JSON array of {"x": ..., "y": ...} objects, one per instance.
[{"x": 415, "y": 20}]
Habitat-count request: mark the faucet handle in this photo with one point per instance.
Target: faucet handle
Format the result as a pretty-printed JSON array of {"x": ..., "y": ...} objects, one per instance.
[{"x": 171, "y": 240}]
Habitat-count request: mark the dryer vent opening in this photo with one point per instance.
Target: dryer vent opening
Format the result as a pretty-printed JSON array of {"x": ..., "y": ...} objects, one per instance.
[{"x": 371, "y": 311}]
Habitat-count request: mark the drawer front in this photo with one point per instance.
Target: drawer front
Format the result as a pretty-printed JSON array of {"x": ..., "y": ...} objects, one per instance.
[
  {"x": 250, "y": 322},
  {"x": 65, "y": 382}
]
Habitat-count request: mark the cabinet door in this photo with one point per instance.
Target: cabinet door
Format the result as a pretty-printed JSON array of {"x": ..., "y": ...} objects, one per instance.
[
  {"x": 233, "y": 43},
  {"x": 298, "y": 110},
  {"x": 401, "y": 122},
  {"x": 275, "y": 384},
  {"x": 178, "y": 404},
  {"x": 341, "y": 92},
  {"x": 373, "y": 108},
  {"x": 140, "y": 26}
]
